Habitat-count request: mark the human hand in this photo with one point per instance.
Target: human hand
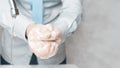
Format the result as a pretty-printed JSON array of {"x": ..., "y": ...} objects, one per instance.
[{"x": 44, "y": 40}]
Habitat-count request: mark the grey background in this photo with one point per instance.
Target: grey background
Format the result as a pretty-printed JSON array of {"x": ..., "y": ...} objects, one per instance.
[{"x": 96, "y": 43}]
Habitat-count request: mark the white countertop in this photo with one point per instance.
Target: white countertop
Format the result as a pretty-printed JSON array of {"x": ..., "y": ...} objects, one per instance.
[{"x": 39, "y": 66}]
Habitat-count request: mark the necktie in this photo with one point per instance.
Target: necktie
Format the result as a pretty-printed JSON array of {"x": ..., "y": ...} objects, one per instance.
[
  {"x": 37, "y": 16},
  {"x": 37, "y": 11}
]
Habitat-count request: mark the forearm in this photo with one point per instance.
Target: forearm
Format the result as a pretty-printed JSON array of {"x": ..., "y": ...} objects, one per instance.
[{"x": 67, "y": 21}]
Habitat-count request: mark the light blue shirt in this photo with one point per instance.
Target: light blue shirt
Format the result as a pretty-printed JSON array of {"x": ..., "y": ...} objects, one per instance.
[{"x": 64, "y": 14}]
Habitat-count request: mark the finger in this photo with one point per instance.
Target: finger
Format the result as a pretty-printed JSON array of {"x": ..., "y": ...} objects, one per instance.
[
  {"x": 49, "y": 27},
  {"x": 45, "y": 49},
  {"x": 41, "y": 32},
  {"x": 41, "y": 52},
  {"x": 37, "y": 48},
  {"x": 52, "y": 49},
  {"x": 33, "y": 35},
  {"x": 58, "y": 41},
  {"x": 52, "y": 32},
  {"x": 58, "y": 32},
  {"x": 44, "y": 34},
  {"x": 48, "y": 49},
  {"x": 35, "y": 44},
  {"x": 55, "y": 34}
]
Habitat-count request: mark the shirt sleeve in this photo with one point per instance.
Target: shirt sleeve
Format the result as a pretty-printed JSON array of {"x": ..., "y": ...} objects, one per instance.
[
  {"x": 16, "y": 26},
  {"x": 67, "y": 22},
  {"x": 20, "y": 26}
]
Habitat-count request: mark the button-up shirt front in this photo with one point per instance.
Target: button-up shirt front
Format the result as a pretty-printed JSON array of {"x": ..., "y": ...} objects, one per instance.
[{"x": 64, "y": 14}]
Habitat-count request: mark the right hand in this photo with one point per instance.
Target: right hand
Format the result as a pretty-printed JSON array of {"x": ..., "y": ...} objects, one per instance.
[{"x": 43, "y": 41}]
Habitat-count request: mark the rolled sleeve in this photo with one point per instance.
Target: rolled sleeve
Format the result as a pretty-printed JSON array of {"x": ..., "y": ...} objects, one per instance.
[{"x": 67, "y": 22}]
